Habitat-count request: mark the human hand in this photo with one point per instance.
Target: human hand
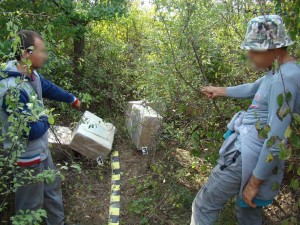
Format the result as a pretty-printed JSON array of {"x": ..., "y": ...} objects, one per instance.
[
  {"x": 76, "y": 104},
  {"x": 213, "y": 92},
  {"x": 250, "y": 191}
]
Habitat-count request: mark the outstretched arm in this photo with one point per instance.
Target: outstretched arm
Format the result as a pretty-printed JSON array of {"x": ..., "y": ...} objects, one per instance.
[
  {"x": 53, "y": 92},
  {"x": 243, "y": 91}
]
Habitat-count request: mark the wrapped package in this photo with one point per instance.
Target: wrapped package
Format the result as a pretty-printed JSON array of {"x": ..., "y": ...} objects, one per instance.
[
  {"x": 59, "y": 135},
  {"x": 93, "y": 137},
  {"x": 144, "y": 126},
  {"x": 59, "y": 138},
  {"x": 157, "y": 106},
  {"x": 129, "y": 111}
]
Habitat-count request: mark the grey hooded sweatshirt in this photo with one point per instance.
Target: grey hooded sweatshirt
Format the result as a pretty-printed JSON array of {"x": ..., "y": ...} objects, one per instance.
[{"x": 264, "y": 92}]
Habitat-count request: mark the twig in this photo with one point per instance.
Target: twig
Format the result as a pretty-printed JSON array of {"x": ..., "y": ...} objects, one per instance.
[
  {"x": 198, "y": 58},
  {"x": 57, "y": 139},
  {"x": 174, "y": 58},
  {"x": 235, "y": 29}
]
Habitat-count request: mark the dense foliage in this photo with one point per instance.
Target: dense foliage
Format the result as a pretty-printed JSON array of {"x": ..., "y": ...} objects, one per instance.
[{"x": 110, "y": 52}]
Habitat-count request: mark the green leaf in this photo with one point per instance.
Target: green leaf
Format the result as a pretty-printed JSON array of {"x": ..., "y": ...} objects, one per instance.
[
  {"x": 283, "y": 112},
  {"x": 288, "y": 132},
  {"x": 267, "y": 128},
  {"x": 51, "y": 119},
  {"x": 294, "y": 220},
  {"x": 295, "y": 184},
  {"x": 285, "y": 154},
  {"x": 275, "y": 186},
  {"x": 263, "y": 133},
  {"x": 270, "y": 157},
  {"x": 296, "y": 117},
  {"x": 291, "y": 166},
  {"x": 298, "y": 171},
  {"x": 285, "y": 222},
  {"x": 280, "y": 100},
  {"x": 271, "y": 141},
  {"x": 258, "y": 126},
  {"x": 288, "y": 96},
  {"x": 295, "y": 140}
]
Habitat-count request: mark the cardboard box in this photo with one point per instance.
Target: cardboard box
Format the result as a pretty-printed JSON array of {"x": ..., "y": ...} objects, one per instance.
[
  {"x": 157, "y": 106},
  {"x": 61, "y": 135},
  {"x": 144, "y": 126},
  {"x": 59, "y": 138},
  {"x": 93, "y": 137}
]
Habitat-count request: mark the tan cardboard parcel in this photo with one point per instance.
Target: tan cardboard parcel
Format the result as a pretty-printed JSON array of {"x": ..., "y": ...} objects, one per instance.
[
  {"x": 92, "y": 137},
  {"x": 143, "y": 124}
]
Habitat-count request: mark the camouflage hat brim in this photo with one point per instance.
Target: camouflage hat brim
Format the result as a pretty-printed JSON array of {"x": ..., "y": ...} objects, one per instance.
[
  {"x": 266, "y": 32},
  {"x": 257, "y": 46}
]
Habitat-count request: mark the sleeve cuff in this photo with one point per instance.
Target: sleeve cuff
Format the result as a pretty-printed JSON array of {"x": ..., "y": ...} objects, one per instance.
[
  {"x": 263, "y": 169},
  {"x": 256, "y": 175},
  {"x": 74, "y": 103}
]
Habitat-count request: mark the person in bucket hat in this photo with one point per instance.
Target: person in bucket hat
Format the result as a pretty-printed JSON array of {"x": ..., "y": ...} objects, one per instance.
[
  {"x": 265, "y": 33},
  {"x": 244, "y": 168}
]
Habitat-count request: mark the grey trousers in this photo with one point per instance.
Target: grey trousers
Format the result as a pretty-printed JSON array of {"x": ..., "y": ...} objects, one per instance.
[
  {"x": 42, "y": 195},
  {"x": 221, "y": 186}
]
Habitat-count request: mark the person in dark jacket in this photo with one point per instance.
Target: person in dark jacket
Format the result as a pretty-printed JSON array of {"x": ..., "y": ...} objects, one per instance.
[{"x": 36, "y": 155}]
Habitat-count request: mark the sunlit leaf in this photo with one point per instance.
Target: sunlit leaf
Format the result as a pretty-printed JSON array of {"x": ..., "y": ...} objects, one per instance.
[
  {"x": 51, "y": 119},
  {"x": 258, "y": 126},
  {"x": 272, "y": 140},
  {"x": 283, "y": 112},
  {"x": 288, "y": 132},
  {"x": 270, "y": 157},
  {"x": 275, "y": 186},
  {"x": 285, "y": 153}
]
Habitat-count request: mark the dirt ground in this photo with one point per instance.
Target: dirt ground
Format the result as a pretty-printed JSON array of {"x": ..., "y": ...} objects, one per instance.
[
  {"x": 87, "y": 193},
  {"x": 156, "y": 189}
]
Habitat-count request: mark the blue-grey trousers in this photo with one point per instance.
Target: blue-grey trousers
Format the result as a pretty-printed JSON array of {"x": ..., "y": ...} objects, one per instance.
[
  {"x": 41, "y": 195},
  {"x": 222, "y": 185}
]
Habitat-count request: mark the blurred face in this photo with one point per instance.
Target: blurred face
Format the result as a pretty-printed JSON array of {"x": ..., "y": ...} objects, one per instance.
[
  {"x": 38, "y": 56},
  {"x": 261, "y": 60}
]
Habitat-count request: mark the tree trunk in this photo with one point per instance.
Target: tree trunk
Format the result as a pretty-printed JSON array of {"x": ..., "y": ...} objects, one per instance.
[{"x": 78, "y": 51}]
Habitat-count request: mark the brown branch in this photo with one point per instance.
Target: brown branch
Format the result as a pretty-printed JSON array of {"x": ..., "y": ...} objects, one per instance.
[
  {"x": 228, "y": 22},
  {"x": 174, "y": 58},
  {"x": 200, "y": 66},
  {"x": 198, "y": 59},
  {"x": 194, "y": 46}
]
